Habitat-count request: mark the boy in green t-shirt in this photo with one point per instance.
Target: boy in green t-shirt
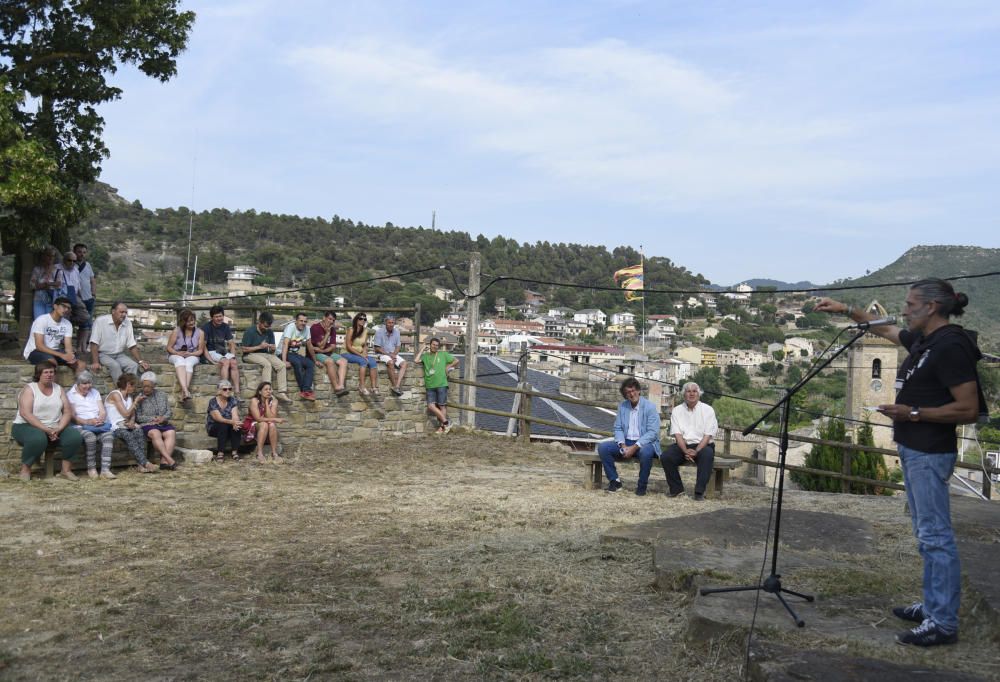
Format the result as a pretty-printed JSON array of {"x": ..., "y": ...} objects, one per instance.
[{"x": 436, "y": 364}]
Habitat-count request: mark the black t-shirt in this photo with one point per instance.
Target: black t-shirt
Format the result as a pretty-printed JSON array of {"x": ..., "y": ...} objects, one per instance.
[
  {"x": 216, "y": 338},
  {"x": 936, "y": 363}
]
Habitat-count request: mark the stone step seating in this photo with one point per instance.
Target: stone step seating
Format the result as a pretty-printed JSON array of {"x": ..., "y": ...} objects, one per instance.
[{"x": 326, "y": 421}]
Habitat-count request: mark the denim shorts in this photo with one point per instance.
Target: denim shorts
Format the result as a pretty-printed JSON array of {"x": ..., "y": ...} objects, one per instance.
[{"x": 437, "y": 396}]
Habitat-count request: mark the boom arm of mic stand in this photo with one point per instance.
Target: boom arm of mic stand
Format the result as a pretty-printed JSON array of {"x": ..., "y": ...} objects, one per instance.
[{"x": 806, "y": 379}]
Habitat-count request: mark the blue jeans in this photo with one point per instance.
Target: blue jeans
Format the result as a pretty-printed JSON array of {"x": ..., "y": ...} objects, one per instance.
[
  {"x": 608, "y": 450},
  {"x": 304, "y": 368},
  {"x": 926, "y": 476}
]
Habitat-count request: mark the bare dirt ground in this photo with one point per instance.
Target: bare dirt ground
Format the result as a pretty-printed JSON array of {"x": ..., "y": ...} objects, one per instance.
[{"x": 462, "y": 557}]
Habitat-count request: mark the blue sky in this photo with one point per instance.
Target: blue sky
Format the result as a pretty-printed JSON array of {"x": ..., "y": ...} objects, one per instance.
[{"x": 787, "y": 140}]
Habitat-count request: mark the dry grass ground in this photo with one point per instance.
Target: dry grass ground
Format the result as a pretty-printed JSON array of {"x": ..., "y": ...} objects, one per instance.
[{"x": 429, "y": 558}]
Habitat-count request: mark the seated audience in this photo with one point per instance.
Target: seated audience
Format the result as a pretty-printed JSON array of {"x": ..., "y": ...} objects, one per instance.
[
  {"x": 693, "y": 426},
  {"x": 297, "y": 352},
  {"x": 91, "y": 419},
  {"x": 356, "y": 345},
  {"x": 263, "y": 422},
  {"x": 637, "y": 434},
  {"x": 387, "y": 346},
  {"x": 121, "y": 406},
  {"x": 223, "y": 422},
  {"x": 220, "y": 348},
  {"x": 113, "y": 344},
  {"x": 185, "y": 347},
  {"x": 152, "y": 414},
  {"x": 43, "y": 417},
  {"x": 44, "y": 280},
  {"x": 323, "y": 336},
  {"x": 258, "y": 348},
  {"x": 51, "y": 338}
]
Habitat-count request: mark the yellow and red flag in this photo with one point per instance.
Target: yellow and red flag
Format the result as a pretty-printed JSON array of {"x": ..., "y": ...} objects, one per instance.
[{"x": 631, "y": 280}]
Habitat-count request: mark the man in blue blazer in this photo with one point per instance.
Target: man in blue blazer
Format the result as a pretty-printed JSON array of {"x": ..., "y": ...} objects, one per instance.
[{"x": 637, "y": 434}]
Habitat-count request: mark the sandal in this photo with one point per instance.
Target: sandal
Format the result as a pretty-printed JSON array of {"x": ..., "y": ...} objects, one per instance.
[
  {"x": 364, "y": 392},
  {"x": 236, "y": 456},
  {"x": 261, "y": 459},
  {"x": 219, "y": 457}
]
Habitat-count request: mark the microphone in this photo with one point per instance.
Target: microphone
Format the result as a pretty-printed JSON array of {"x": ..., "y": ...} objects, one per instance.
[{"x": 877, "y": 322}]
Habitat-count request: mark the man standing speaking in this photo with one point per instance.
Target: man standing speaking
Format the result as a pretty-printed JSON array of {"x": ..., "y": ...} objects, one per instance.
[{"x": 937, "y": 388}]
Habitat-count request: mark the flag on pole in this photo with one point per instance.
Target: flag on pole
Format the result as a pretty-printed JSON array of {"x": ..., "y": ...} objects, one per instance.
[{"x": 631, "y": 280}]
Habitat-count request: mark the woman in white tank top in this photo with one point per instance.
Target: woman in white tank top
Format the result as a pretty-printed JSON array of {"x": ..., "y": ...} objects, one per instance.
[{"x": 43, "y": 417}]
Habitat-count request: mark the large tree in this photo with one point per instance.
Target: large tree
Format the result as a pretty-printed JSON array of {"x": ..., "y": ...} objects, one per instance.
[{"x": 55, "y": 60}]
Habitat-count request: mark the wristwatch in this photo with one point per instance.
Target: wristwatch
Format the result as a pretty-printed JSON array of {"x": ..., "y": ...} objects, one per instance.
[{"x": 914, "y": 414}]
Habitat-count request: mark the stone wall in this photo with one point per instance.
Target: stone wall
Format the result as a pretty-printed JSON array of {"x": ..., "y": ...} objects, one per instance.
[{"x": 316, "y": 424}]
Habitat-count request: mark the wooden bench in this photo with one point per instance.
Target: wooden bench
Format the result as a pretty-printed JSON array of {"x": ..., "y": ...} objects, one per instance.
[{"x": 721, "y": 469}]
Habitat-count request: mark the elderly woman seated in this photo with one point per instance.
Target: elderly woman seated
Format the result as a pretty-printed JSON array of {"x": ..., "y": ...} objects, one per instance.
[
  {"x": 222, "y": 422},
  {"x": 121, "y": 413},
  {"x": 153, "y": 417},
  {"x": 43, "y": 417},
  {"x": 91, "y": 419}
]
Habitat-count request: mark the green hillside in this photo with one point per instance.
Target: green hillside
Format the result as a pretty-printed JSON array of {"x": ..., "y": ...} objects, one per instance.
[
  {"x": 983, "y": 312},
  {"x": 141, "y": 253}
]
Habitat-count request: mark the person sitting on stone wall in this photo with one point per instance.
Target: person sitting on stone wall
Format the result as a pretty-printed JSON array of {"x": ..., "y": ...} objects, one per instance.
[
  {"x": 220, "y": 347},
  {"x": 152, "y": 415},
  {"x": 263, "y": 422},
  {"x": 185, "y": 348},
  {"x": 90, "y": 417},
  {"x": 693, "y": 425},
  {"x": 43, "y": 417},
  {"x": 258, "y": 348},
  {"x": 637, "y": 434},
  {"x": 51, "y": 338},
  {"x": 323, "y": 336},
  {"x": 222, "y": 422},
  {"x": 298, "y": 354},
  {"x": 121, "y": 406},
  {"x": 113, "y": 344},
  {"x": 356, "y": 345},
  {"x": 387, "y": 345}
]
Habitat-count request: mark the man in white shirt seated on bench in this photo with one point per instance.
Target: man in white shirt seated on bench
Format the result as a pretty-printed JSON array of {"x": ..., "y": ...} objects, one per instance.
[{"x": 693, "y": 426}]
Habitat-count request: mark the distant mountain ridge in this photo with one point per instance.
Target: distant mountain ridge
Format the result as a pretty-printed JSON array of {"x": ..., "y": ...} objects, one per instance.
[
  {"x": 779, "y": 285},
  {"x": 983, "y": 311}
]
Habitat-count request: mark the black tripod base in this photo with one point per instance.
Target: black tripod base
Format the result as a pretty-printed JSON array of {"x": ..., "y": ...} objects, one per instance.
[{"x": 771, "y": 584}]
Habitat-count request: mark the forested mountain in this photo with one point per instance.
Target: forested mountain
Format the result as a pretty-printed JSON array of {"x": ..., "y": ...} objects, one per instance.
[
  {"x": 983, "y": 311},
  {"x": 143, "y": 252}
]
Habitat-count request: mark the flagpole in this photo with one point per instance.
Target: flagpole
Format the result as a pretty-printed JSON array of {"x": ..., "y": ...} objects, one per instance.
[{"x": 642, "y": 263}]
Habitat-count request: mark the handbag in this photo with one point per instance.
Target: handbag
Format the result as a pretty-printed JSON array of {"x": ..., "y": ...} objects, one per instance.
[{"x": 249, "y": 430}]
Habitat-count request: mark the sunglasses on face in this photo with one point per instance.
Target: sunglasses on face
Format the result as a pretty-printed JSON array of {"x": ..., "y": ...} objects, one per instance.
[{"x": 227, "y": 389}]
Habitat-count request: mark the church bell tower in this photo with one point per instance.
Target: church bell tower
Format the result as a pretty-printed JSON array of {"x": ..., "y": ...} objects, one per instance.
[{"x": 871, "y": 373}]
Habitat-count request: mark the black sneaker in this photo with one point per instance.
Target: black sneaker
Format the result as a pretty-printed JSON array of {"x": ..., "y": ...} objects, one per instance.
[
  {"x": 926, "y": 634},
  {"x": 677, "y": 494},
  {"x": 699, "y": 497},
  {"x": 913, "y": 613},
  {"x": 614, "y": 486},
  {"x": 640, "y": 491}
]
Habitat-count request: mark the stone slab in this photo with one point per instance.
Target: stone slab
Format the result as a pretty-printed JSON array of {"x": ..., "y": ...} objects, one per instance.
[
  {"x": 774, "y": 663},
  {"x": 800, "y": 530}
]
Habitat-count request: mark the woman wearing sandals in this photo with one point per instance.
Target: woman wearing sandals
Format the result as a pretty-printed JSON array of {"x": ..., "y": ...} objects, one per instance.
[
  {"x": 120, "y": 407},
  {"x": 263, "y": 420},
  {"x": 184, "y": 350},
  {"x": 223, "y": 422},
  {"x": 356, "y": 345},
  {"x": 153, "y": 417}
]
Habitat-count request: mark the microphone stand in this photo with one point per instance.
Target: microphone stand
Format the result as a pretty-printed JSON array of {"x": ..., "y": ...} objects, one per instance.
[{"x": 772, "y": 584}]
